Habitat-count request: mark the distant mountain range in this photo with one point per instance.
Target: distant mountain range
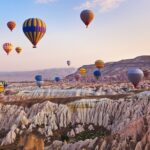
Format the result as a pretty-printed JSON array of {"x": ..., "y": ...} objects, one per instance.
[
  {"x": 112, "y": 71},
  {"x": 48, "y": 74},
  {"x": 116, "y": 70}
]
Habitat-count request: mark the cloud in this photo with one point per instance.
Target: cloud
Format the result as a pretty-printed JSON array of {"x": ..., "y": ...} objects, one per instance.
[
  {"x": 44, "y": 1},
  {"x": 102, "y": 5}
]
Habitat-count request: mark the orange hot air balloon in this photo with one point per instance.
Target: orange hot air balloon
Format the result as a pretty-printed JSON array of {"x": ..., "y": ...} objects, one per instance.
[
  {"x": 18, "y": 50},
  {"x": 87, "y": 16},
  {"x": 7, "y": 47},
  {"x": 11, "y": 25},
  {"x": 99, "y": 64}
]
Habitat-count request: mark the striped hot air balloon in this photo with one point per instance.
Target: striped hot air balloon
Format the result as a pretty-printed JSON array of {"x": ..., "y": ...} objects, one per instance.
[
  {"x": 34, "y": 29},
  {"x": 99, "y": 64},
  {"x": 7, "y": 47}
]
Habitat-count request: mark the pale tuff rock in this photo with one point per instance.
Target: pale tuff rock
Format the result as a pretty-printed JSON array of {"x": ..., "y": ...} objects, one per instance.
[
  {"x": 116, "y": 115},
  {"x": 90, "y": 127},
  {"x": 11, "y": 136}
]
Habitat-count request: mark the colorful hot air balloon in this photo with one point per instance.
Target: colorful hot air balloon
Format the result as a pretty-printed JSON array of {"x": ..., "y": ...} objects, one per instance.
[
  {"x": 135, "y": 75},
  {"x": 11, "y": 25},
  {"x": 18, "y": 50},
  {"x": 87, "y": 16},
  {"x": 82, "y": 71},
  {"x": 77, "y": 77},
  {"x": 68, "y": 62},
  {"x": 99, "y": 64},
  {"x": 57, "y": 79},
  {"x": 34, "y": 29},
  {"x": 7, "y": 47},
  {"x": 1, "y": 87},
  {"x": 97, "y": 74}
]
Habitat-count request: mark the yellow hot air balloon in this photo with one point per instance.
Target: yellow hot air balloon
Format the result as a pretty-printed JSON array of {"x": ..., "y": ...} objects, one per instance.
[
  {"x": 82, "y": 71},
  {"x": 99, "y": 64},
  {"x": 8, "y": 47},
  {"x": 18, "y": 50},
  {"x": 1, "y": 87}
]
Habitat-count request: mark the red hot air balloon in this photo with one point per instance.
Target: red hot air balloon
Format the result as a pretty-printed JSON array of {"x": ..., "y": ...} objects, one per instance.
[
  {"x": 11, "y": 25},
  {"x": 87, "y": 16}
]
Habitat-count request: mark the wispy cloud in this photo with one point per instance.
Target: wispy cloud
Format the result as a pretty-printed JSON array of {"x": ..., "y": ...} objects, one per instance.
[
  {"x": 101, "y": 5},
  {"x": 44, "y": 1}
]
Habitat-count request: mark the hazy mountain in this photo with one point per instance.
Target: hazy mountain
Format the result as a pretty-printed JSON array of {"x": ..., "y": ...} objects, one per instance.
[
  {"x": 29, "y": 75},
  {"x": 117, "y": 70}
]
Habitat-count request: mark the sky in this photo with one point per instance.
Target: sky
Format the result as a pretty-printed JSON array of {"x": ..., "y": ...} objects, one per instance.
[{"x": 120, "y": 30}]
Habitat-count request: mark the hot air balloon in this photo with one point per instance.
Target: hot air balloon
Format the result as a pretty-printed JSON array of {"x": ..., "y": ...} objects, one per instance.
[
  {"x": 34, "y": 29},
  {"x": 57, "y": 79},
  {"x": 11, "y": 25},
  {"x": 38, "y": 77},
  {"x": 68, "y": 62},
  {"x": 77, "y": 77},
  {"x": 7, "y": 47},
  {"x": 99, "y": 64},
  {"x": 82, "y": 71},
  {"x": 1, "y": 87},
  {"x": 39, "y": 80},
  {"x": 135, "y": 75},
  {"x": 18, "y": 50},
  {"x": 87, "y": 16},
  {"x": 97, "y": 74},
  {"x": 4, "y": 83}
]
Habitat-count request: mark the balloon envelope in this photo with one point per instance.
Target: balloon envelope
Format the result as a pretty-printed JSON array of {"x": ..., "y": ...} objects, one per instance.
[
  {"x": 99, "y": 64},
  {"x": 18, "y": 50},
  {"x": 11, "y": 25},
  {"x": 57, "y": 79},
  {"x": 82, "y": 71},
  {"x": 68, "y": 62},
  {"x": 7, "y": 47},
  {"x": 87, "y": 16},
  {"x": 34, "y": 29},
  {"x": 38, "y": 77},
  {"x": 135, "y": 75},
  {"x": 97, "y": 74}
]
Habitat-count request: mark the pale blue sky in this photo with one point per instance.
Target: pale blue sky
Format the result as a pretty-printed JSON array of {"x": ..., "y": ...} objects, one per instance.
[{"x": 121, "y": 29}]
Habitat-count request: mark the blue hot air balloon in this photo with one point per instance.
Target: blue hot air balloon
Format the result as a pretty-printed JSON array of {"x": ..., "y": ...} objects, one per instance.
[
  {"x": 97, "y": 74},
  {"x": 57, "y": 79},
  {"x": 38, "y": 77},
  {"x": 135, "y": 75}
]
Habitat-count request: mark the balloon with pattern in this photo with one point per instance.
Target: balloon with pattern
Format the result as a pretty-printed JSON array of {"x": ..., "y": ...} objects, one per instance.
[
  {"x": 34, "y": 29},
  {"x": 87, "y": 16},
  {"x": 8, "y": 47},
  {"x": 11, "y": 25}
]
